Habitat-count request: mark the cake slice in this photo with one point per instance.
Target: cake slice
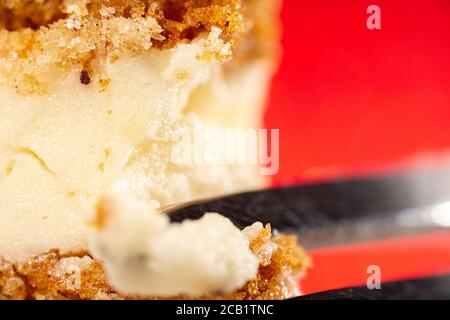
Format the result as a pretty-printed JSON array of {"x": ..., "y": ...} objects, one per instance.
[
  {"x": 136, "y": 254},
  {"x": 94, "y": 97}
]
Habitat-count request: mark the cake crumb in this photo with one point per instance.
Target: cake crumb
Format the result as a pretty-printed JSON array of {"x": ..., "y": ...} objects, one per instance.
[
  {"x": 104, "y": 83},
  {"x": 85, "y": 78}
]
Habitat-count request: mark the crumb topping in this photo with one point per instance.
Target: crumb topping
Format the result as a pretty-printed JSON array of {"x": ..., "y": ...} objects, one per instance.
[{"x": 37, "y": 35}]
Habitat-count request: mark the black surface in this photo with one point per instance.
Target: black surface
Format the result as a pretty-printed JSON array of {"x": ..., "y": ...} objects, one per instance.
[
  {"x": 322, "y": 205},
  {"x": 437, "y": 288}
]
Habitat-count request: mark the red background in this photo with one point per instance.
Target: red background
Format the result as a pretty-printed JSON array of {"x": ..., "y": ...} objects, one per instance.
[
  {"x": 348, "y": 100},
  {"x": 351, "y": 101}
]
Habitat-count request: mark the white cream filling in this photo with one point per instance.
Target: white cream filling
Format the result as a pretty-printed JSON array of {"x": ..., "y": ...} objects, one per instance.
[
  {"x": 146, "y": 255},
  {"x": 59, "y": 152}
]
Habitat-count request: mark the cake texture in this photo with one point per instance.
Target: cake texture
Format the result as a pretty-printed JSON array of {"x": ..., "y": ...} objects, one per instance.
[
  {"x": 203, "y": 256},
  {"x": 53, "y": 276},
  {"x": 94, "y": 96}
]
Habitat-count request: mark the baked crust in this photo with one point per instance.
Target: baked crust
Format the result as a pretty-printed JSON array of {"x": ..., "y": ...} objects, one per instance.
[
  {"x": 37, "y": 36},
  {"x": 55, "y": 276},
  {"x": 21, "y": 14}
]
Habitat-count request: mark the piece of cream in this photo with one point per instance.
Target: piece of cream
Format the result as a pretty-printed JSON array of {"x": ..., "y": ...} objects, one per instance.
[{"x": 144, "y": 254}]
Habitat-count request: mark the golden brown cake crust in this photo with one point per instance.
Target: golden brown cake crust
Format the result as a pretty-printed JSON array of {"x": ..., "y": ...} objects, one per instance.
[
  {"x": 37, "y": 35},
  {"x": 20, "y": 14},
  {"x": 56, "y": 276}
]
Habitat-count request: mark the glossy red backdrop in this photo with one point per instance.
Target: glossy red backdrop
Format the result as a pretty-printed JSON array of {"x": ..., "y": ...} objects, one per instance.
[
  {"x": 347, "y": 99},
  {"x": 351, "y": 101}
]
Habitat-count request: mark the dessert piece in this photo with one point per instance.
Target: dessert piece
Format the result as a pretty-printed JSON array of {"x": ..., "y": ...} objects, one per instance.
[
  {"x": 208, "y": 256},
  {"x": 94, "y": 97},
  {"x": 146, "y": 255}
]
